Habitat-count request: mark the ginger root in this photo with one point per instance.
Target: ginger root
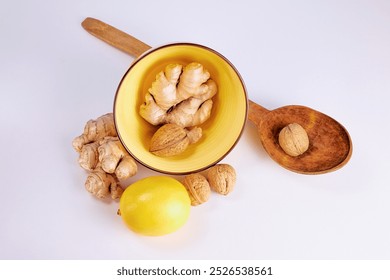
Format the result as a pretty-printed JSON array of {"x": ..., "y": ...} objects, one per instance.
[
  {"x": 102, "y": 184},
  {"x": 95, "y": 130},
  {"x": 102, "y": 154},
  {"x": 180, "y": 95},
  {"x": 114, "y": 158}
]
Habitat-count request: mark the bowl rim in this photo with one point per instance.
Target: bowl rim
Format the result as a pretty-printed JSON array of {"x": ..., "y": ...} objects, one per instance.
[{"x": 154, "y": 49}]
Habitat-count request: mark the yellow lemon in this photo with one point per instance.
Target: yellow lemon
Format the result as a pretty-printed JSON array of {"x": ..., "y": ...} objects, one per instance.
[{"x": 155, "y": 205}]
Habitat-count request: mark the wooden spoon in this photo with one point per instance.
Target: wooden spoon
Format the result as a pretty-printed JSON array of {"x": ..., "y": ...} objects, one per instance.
[{"x": 330, "y": 144}]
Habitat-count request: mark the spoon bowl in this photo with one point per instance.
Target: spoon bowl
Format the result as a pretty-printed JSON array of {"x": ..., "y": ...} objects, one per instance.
[{"x": 330, "y": 145}]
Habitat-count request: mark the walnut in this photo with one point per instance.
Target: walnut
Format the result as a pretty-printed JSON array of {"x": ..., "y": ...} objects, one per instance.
[
  {"x": 198, "y": 188},
  {"x": 172, "y": 139},
  {"x": 222, "y": 178},
  {"x": 293, "y": 140}
]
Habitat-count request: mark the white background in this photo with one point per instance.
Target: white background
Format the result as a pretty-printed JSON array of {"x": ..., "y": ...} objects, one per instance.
[{"x": 333, "y": 56}]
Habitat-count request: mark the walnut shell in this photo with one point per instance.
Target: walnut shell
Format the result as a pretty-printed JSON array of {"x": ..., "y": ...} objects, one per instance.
[
  {"x": 222, "y": 178},
  {"x": 171, "y": 139},
  {"x": 293, "y": 139},
  {"x": 198, "y": 188}
]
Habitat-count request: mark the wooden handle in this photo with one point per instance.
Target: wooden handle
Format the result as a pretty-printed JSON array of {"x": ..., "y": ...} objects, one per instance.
[
  {"x": 256, "y": 112},
  {"x": 115, "y": 37}
]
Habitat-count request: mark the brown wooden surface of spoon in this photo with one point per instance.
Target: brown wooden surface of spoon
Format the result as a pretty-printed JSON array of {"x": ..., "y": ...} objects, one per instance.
[
  {"x": 115, "y": 37},
  {"x": 330, "y": 144}
]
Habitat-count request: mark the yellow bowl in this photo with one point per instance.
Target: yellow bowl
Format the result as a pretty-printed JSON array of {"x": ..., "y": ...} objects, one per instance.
[{"x": 221, "y": 131}]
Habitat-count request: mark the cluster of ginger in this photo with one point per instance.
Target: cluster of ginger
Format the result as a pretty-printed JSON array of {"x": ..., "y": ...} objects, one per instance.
[
  {"x": 180, "y": 97},
  {"x": 102, "y": 154}
]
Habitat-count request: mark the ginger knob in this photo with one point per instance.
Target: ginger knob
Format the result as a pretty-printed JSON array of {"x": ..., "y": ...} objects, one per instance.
[
  {"x": 222, "y": 178},
  {"x": 293, "y": 139},
  {"x": 172, "y": 139},
  {"x": 198, "y": 188},
  {"x": 180, "y": 95},
  {"x": 115, "y": 159},
  {"x": 102, "y": 154},
  {"x": 102, "y": 184},
  {"x": 89, "y": 156},
  {"x": 95, "y": 130}
]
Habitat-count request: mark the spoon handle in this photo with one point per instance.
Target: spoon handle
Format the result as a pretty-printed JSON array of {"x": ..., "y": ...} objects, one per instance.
[
  {"x": 256, "y": 112},
  {"x": 115, "y": 37}
]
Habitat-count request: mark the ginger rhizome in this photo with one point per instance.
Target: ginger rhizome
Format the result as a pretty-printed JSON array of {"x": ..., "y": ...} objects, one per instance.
[
  {"x": 102, "y": 154},
  {"x": 180, "y": 95},
  {"x": 102, "y": 184},
  {"x": 95, "y": 130}
]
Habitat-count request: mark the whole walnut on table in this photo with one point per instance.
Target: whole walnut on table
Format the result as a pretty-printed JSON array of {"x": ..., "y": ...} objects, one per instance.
[
  {"x": 222, "y": 178},
  {"x": 198, "y": 188}
]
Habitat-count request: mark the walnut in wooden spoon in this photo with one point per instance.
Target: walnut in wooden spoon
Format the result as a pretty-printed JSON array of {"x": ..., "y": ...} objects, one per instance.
[{"x": 330, "y": 144}]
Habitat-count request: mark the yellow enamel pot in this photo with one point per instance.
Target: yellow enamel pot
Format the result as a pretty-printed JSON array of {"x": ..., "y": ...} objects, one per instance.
[{"x": 221, "y": 131}]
